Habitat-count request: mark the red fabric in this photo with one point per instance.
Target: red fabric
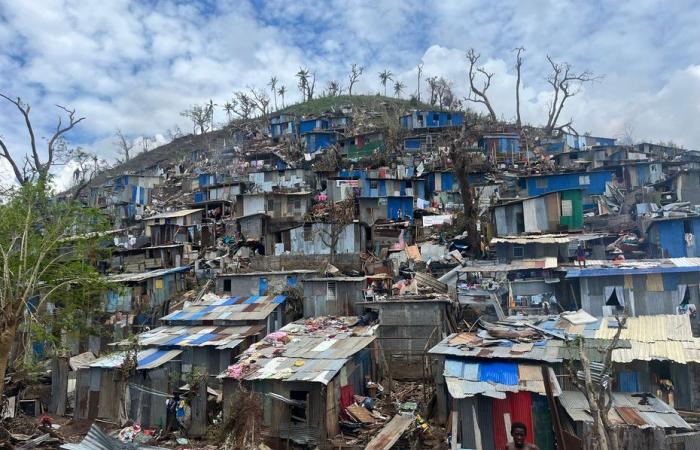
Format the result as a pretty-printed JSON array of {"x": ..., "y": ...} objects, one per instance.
[
  {"x": 519, "y": 406},
  {"x": 346, "y": 394}
]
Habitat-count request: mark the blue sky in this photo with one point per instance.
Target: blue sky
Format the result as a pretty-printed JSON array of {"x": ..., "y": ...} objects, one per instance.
[{"x": 136, "y": 65}]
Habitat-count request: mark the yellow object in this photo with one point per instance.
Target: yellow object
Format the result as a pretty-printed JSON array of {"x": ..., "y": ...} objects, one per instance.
[
  {"x": 159, "y": 283},
  {"x": 299, "y": 363}
]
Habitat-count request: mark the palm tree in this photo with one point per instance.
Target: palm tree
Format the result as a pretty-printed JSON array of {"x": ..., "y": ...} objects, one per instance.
[
  {"x": 228, "y": 108},
  {"x": 398, "y": 88},
  {"x": 384, "y": 77},
  {"x": 333, "y": 88},
  {"x": 303, "y": 84},
  {"x": 273, "y": 88},
  {"x": 281, "y": 91}
]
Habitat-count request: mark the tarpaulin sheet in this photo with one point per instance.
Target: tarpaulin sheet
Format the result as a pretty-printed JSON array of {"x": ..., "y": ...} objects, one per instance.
[{"x": 499, "y": 372}]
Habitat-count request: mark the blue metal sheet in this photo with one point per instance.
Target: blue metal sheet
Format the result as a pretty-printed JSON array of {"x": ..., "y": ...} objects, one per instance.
[
  {"x": 461, "y": 369},
  {"x": 251, "y": 300},
  {"x": 499, "y": 372},
  {"x": 204, "y": 338},
  {"x": 231, "y": 301},
  {"x": 279, "y": 299},
  {"x": 201, "y": 313},
  {"x": 176, "y": 340},
  {"x": 179, "y": 315},
  {"x": 152, "y": 357}
]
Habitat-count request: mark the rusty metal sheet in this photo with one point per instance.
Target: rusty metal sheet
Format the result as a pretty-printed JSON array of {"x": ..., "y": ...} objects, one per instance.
[
  {"x": 630, "y": 416},
  {"x": 390, "y": 433}
]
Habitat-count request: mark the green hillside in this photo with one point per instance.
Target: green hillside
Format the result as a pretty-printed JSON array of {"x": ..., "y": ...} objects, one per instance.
[{"x": 376, "y": 103}]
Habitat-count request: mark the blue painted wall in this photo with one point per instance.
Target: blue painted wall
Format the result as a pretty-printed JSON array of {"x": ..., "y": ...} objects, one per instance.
[
  {"x": 396, "y": 203},
  {"x": 502, "y": 144},
  {"x": 309, "y": 125},
  {"x": 431, "y": 119},
  {"x": 411, "y": 143},
  {"x": 563, "y": 181},
  {"x": 672, "y": 238},
  {"x": 318, "y": 141}
]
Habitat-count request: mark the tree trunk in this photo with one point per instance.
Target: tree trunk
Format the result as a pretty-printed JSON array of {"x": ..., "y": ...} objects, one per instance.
[{"x": 7, "y": 338}]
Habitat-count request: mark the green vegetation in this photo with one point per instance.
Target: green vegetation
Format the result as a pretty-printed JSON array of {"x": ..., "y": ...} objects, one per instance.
[
  {"x": 368, "y": 102},
  {"x": 48, "y": 283}
]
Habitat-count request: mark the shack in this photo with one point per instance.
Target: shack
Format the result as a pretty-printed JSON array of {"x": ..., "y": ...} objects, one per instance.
[
  {"x": 177, "y": 226},
  {"x": 334, "y": 296},
  {"x": 147, "y": 294},
  {"x": 637, "y": 287},
  {"x": 408, "y": 327},
  {"x": 260, "y": 283},
  {"x": 307, "y": 374},
  {"x": 485, "y": 381},
  {"x": 640, "y": 420},
  {"x": 546, "y": 213}
]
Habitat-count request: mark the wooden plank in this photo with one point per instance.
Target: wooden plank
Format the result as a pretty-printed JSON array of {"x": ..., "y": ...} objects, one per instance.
[
  {"x": 390, "y": 434},
  {"x": 360, "y": 413}
]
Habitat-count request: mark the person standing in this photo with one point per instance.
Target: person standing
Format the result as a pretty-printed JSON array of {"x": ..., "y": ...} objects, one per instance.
[{"x": 519, "y": 432}]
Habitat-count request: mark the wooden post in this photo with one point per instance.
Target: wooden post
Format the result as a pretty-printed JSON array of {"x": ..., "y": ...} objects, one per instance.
[
  {"x": 198, "y": 424},
  {"x": 59, "y": 385},
  {"x": 561, "y": 442}
]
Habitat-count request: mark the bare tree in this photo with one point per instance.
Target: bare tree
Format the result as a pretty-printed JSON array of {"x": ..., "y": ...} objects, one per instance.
[
  {"x": 478, "y": 94},
  {"x": 124, "y": 146},
  {"x": 243, "y": 105},
  {"x": 201, "y": 117},
  {"x": 420, "y": 72},
  {"x": 260, "y": 99},
  {"x": 338, "y": 216},
  {"x": 273, "y": 88},
  {"x": 465, "y": 162},
  {"x": 398, "y": 88},
  {"x": 281, "y": 91},
  {"x": 598, "y": 389},
  {"x": 385, "y": 77},
  {"x": 87, "y": 165},
  {"x": 310, "y": 86},
  {"x": 33, "y": 168},
  {"x": 146, "y": 143},
  {"x": 355, "y": 72},
  {"x": 565, "y": 83},
  {"x": 432, "y": 85},
  {"x": 518, "y": 65},
  {"x": 333, "y": 88}
]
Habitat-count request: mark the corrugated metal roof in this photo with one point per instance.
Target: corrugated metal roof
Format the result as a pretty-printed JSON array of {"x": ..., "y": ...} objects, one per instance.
[
  {"x": 147, "y": 359},
  {"x": 523, "y": 264},
  {"x": 627, "y": 411},
  {"x": 466, "y": 378},
  {"x": 126, "y": 277},
  {"x": 543, "y": 350},
  {"x": 173, "y": 214},
  {"x": 545, "y": 239},
  {"x": 197, "y": 336},
  {"x": 227, "y": 310},
  {"x": 307, "y": 350}
]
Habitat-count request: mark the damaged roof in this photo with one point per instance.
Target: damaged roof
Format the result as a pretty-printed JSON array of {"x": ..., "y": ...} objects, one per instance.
[
  {"x": 137, "y": 277},
  {"x": 628, "y": 410},
  {"x": 147, "y": 359},
  {"x": 599, "y": 268},
  {"x": 482, "y": 344},
  {"x": 199, "y": 336},
  {"x": 312, "y": 350},
  {"x": 226, "y": 310},
  {"x": 546, "y": 238}
]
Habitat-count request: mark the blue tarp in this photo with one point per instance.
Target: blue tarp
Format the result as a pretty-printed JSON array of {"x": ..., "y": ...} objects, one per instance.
[
  {"x": 149, "y": 359},
  {"x": 499, "y": 372},
  {"x": 231, "y": 301}
]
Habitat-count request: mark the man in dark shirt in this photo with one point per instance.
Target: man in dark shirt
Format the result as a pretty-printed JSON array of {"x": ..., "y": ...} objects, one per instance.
[{"x": 519, "y": 432}]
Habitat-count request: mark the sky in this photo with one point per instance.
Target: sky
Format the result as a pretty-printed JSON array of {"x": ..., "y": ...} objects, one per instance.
[{"x": 135, "y": 65}]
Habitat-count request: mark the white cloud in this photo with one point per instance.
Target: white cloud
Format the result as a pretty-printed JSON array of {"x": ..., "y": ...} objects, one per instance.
[{"x": 135, "y": 66}]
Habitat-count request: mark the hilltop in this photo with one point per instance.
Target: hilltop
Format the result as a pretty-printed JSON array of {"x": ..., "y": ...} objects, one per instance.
[{"x": 361, "y": 102}]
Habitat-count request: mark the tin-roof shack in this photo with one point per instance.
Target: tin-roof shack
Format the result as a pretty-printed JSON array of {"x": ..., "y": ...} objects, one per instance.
[
  {"x": 334, "y": 296},
  {"x": 260, "y": 283},
  {"x": 307, "y": 374},
  {"x": 407, "y": 328},
  {"x": 207, "y": 335},
  {"x": 483, "y": 376},
  {"x": 175, "y": 226},
  {"x": 546, "y": 213}
]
